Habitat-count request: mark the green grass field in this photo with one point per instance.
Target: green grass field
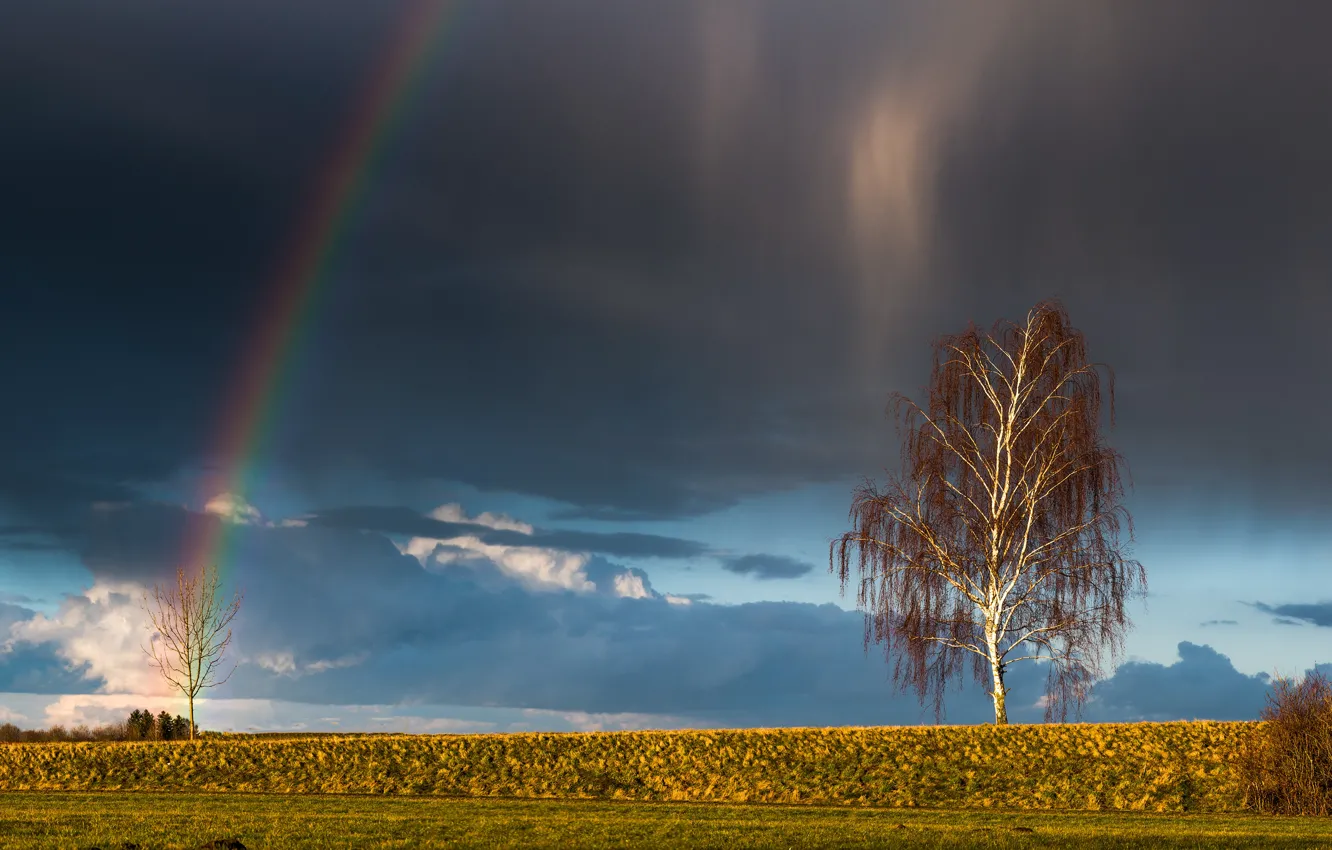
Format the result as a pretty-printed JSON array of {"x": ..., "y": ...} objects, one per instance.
[{"x": 152, "y": 820}]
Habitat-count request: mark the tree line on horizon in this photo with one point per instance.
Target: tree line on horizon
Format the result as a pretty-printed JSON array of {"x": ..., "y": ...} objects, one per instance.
[{"x": 138, "y": 726}]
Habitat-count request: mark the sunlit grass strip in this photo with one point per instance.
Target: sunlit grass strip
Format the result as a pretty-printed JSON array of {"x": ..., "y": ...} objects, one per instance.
[
  {"x": 36, "y": 821},
  {"x": 1160, "y": 767}
]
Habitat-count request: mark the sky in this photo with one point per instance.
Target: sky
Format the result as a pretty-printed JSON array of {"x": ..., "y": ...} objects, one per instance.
[{"x": 521, "y": 358}]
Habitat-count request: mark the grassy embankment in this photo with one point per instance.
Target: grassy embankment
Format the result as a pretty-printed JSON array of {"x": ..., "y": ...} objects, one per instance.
[{"x": 1153, "y": 767}]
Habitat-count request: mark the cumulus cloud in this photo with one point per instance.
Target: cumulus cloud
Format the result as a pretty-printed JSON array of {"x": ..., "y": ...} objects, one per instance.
[
  {"x": 104, "y": 709},
  {"x": 450, "y": 521},
  {"x": 342, "y": 617},
  {"x": 234, "y": 509},
  {"x": 100, "y": 631},
  {"x": 582, "y": 721},
  {"x": 338, "y": 617},
  {"x": 537, "y": 568},
  {"x": 767, "y": 566},
  {"x": 1202, "y": 685},
  {"x": 443, "y": 725},
  {"x": 453, "y": 512},
  {"x": 8, "y": 716},
  {"x": 9, "y": 615},
  {"x": 285, "y": 664}
]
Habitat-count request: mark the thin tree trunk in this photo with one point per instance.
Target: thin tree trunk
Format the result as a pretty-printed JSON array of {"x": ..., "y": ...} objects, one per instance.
[
  {"x": 1000, "y": 693},
  {"x": 191, "y": 718}
]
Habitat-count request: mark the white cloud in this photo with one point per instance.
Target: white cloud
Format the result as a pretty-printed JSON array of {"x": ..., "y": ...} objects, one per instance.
[
  {"x": 104, "y": 709},
  {"x": 453, "y": 512},
  {"x": 218, "y": 715},
  {"x": 285, "y": 663},
  {"x": 7, "y": 716},
  {"x": 281, "y": 663},
  {"x": 453, "y": 725},
  {"x": 534, "y": 567},
  {"x": 234, "y": 508},
  {"x": 240, "y": 715},
  {"x": 106, "y": 628},
  {"x": 336, "y": 663},
  {"x": 488, "y": 640},
  {"x": 431, "y": 725},
  {"x": 630, "y": 586},
  {"x": 583, "y": 721}
]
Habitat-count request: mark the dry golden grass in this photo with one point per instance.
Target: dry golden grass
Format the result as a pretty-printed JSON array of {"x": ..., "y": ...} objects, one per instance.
[{"x": 1152, "y": 767}]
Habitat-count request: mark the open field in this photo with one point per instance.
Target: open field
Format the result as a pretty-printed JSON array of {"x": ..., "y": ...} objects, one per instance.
[
  {"x": 30, "y": 820},
  {"x": 1152, "y": 767}
]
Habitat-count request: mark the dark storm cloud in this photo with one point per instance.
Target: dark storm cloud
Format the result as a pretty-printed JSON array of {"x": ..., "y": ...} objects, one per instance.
[
  {"x": 39, "y": 670},
  {"x": 1160, "y": 168},
  {"x": 154, "y": 167},
  {"x": 1299, "y": 613},
  {"x": 29, "y": 538},
  {"x": 1201, "y": 685},
  {"x": 404, "y": 521},
  {"x": 664, "y": 299},
  {"x": 563, "y": 244},
  {"x": 767, "y": 566},
  {"x": 650, "y": 258}
]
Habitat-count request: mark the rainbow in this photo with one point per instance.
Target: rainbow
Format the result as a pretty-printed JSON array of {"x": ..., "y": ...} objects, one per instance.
[{"x": 284, "y": 323}]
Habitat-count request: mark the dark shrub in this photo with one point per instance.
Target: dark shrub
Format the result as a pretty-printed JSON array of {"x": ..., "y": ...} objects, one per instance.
[
  {"x": 10, "y": 734},
  {"x": 1285, "y": 766}
]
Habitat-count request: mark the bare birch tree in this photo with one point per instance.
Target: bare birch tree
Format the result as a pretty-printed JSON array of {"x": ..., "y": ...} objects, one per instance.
[
  {"x": 192, "y": 629},
  {"x": 998, "y": 541}
]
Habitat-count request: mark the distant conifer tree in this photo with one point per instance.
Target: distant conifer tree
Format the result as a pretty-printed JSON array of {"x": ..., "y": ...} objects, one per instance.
[{"x": 165, "y": 726}]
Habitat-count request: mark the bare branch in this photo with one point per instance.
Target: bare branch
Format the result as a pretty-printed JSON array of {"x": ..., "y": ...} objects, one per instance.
[{"x": 191, "y": 632}]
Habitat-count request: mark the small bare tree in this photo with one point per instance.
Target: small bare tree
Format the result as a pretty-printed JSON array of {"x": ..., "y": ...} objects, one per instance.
[
  {"x": 192, "y": 629},
  {"x": 998, "y": 541}
]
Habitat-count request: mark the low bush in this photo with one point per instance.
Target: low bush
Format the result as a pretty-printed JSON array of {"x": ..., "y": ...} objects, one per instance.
[{"x": 1285, "y": 764}]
